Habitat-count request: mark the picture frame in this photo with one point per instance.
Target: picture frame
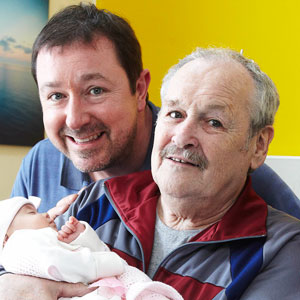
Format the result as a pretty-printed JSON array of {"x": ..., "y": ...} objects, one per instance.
[{"x": 21, "y": 121}]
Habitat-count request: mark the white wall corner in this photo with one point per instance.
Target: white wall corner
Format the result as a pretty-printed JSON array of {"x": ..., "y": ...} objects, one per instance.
[{"x": 288, "y": 168}]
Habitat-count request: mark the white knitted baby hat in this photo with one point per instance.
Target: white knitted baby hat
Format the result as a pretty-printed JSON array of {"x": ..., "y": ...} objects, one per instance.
[{"x": 8, "y": 209}]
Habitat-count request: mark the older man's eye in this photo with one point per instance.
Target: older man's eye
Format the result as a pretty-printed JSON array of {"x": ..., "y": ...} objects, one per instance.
[
  {"x": 215, "y": 123},
  {"x": 96, "y": 91},
  {"x": 175, "y": 114}
]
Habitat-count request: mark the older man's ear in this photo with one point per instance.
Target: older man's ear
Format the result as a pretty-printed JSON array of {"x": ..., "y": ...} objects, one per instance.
[{"x": 263, "y": 139}]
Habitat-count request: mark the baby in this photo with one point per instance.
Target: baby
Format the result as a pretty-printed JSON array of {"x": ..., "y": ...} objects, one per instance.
[{"x": 30, "y": 244}]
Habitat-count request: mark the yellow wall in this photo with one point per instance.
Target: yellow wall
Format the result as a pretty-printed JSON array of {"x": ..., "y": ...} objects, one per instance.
[
  {"x": 267, "y": 31},
  {"x": 56, "y": 5},
  {"x": 10, "y": 160}
]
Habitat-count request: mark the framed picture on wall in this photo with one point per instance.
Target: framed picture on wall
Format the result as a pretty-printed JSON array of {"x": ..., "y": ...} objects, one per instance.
[{"x": 20, "y": 110}]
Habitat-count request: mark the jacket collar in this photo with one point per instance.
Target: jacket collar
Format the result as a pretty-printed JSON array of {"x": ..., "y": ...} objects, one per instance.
[
  {"x": 136, "y": 195},
  {"x": 246, "y": 218}
]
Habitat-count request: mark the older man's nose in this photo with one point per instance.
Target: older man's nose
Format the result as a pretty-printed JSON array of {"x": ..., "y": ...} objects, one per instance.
[{"x": 185, "y": 135}]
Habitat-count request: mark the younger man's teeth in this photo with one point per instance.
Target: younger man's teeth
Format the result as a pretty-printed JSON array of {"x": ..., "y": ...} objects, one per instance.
[{"x": 93, "y": 137}]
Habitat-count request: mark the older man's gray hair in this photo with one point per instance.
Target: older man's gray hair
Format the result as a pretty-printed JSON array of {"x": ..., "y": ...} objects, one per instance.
[{"x": 266, "y": 98}]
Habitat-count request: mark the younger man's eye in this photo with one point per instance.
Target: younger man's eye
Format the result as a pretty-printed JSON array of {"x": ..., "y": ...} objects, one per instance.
[{"x": 56, "y": 97}]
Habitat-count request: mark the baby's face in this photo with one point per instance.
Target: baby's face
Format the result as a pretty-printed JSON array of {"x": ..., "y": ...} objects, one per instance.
[{"x": 28, "y": 218}]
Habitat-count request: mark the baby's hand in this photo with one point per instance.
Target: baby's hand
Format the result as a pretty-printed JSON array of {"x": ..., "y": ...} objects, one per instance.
[
  {"x": 62, "y": 206},
  {"x": 70, "y": 231}
]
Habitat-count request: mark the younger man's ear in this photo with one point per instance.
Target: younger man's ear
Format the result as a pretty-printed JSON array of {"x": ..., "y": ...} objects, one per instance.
[
  {"x": 142, "y": 85},
  {"x": 262, "y": 141}
]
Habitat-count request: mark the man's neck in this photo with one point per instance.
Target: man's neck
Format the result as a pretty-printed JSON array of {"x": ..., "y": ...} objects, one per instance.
[
  {"x": 135, "y": 161},
  {"x": 177, "y": 213}
]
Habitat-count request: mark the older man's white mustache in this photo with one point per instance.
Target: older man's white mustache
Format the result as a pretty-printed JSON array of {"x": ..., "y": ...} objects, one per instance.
[{"x": 192, "y": 157}]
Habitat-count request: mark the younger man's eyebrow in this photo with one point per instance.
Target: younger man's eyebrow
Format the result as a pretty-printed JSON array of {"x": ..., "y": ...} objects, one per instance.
[
  {"x": 90, "y": 76},
  {"x": 84, "y": 77},
  {"x": 50, "y": 84}
]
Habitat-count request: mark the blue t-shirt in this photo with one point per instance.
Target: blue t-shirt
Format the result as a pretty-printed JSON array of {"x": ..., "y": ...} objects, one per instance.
[{"x": 46, "y": 173}]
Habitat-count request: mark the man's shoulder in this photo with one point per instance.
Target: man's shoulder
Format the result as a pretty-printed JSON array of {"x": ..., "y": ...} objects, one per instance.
[
  {"x": 282, "y": 226},
  {"x": 42, "y": 164},
  {"x": 44, "y": 147},
  {"x": 44, "y": 151},
  {"x": 136, "y": 181},
  {"x": 270, "y": 187},
  {"x": 139, "y": 185}
]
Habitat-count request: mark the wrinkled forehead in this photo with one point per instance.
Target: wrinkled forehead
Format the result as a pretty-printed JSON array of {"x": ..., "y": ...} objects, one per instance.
[{"x": 216, "y": 79}]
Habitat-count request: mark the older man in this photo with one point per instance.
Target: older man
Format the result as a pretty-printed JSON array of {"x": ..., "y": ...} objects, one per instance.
[{"x": 199, "y": 225}]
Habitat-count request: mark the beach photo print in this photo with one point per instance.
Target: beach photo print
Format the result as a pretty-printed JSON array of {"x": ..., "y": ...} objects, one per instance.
[{"x": 20, "y": 111}]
